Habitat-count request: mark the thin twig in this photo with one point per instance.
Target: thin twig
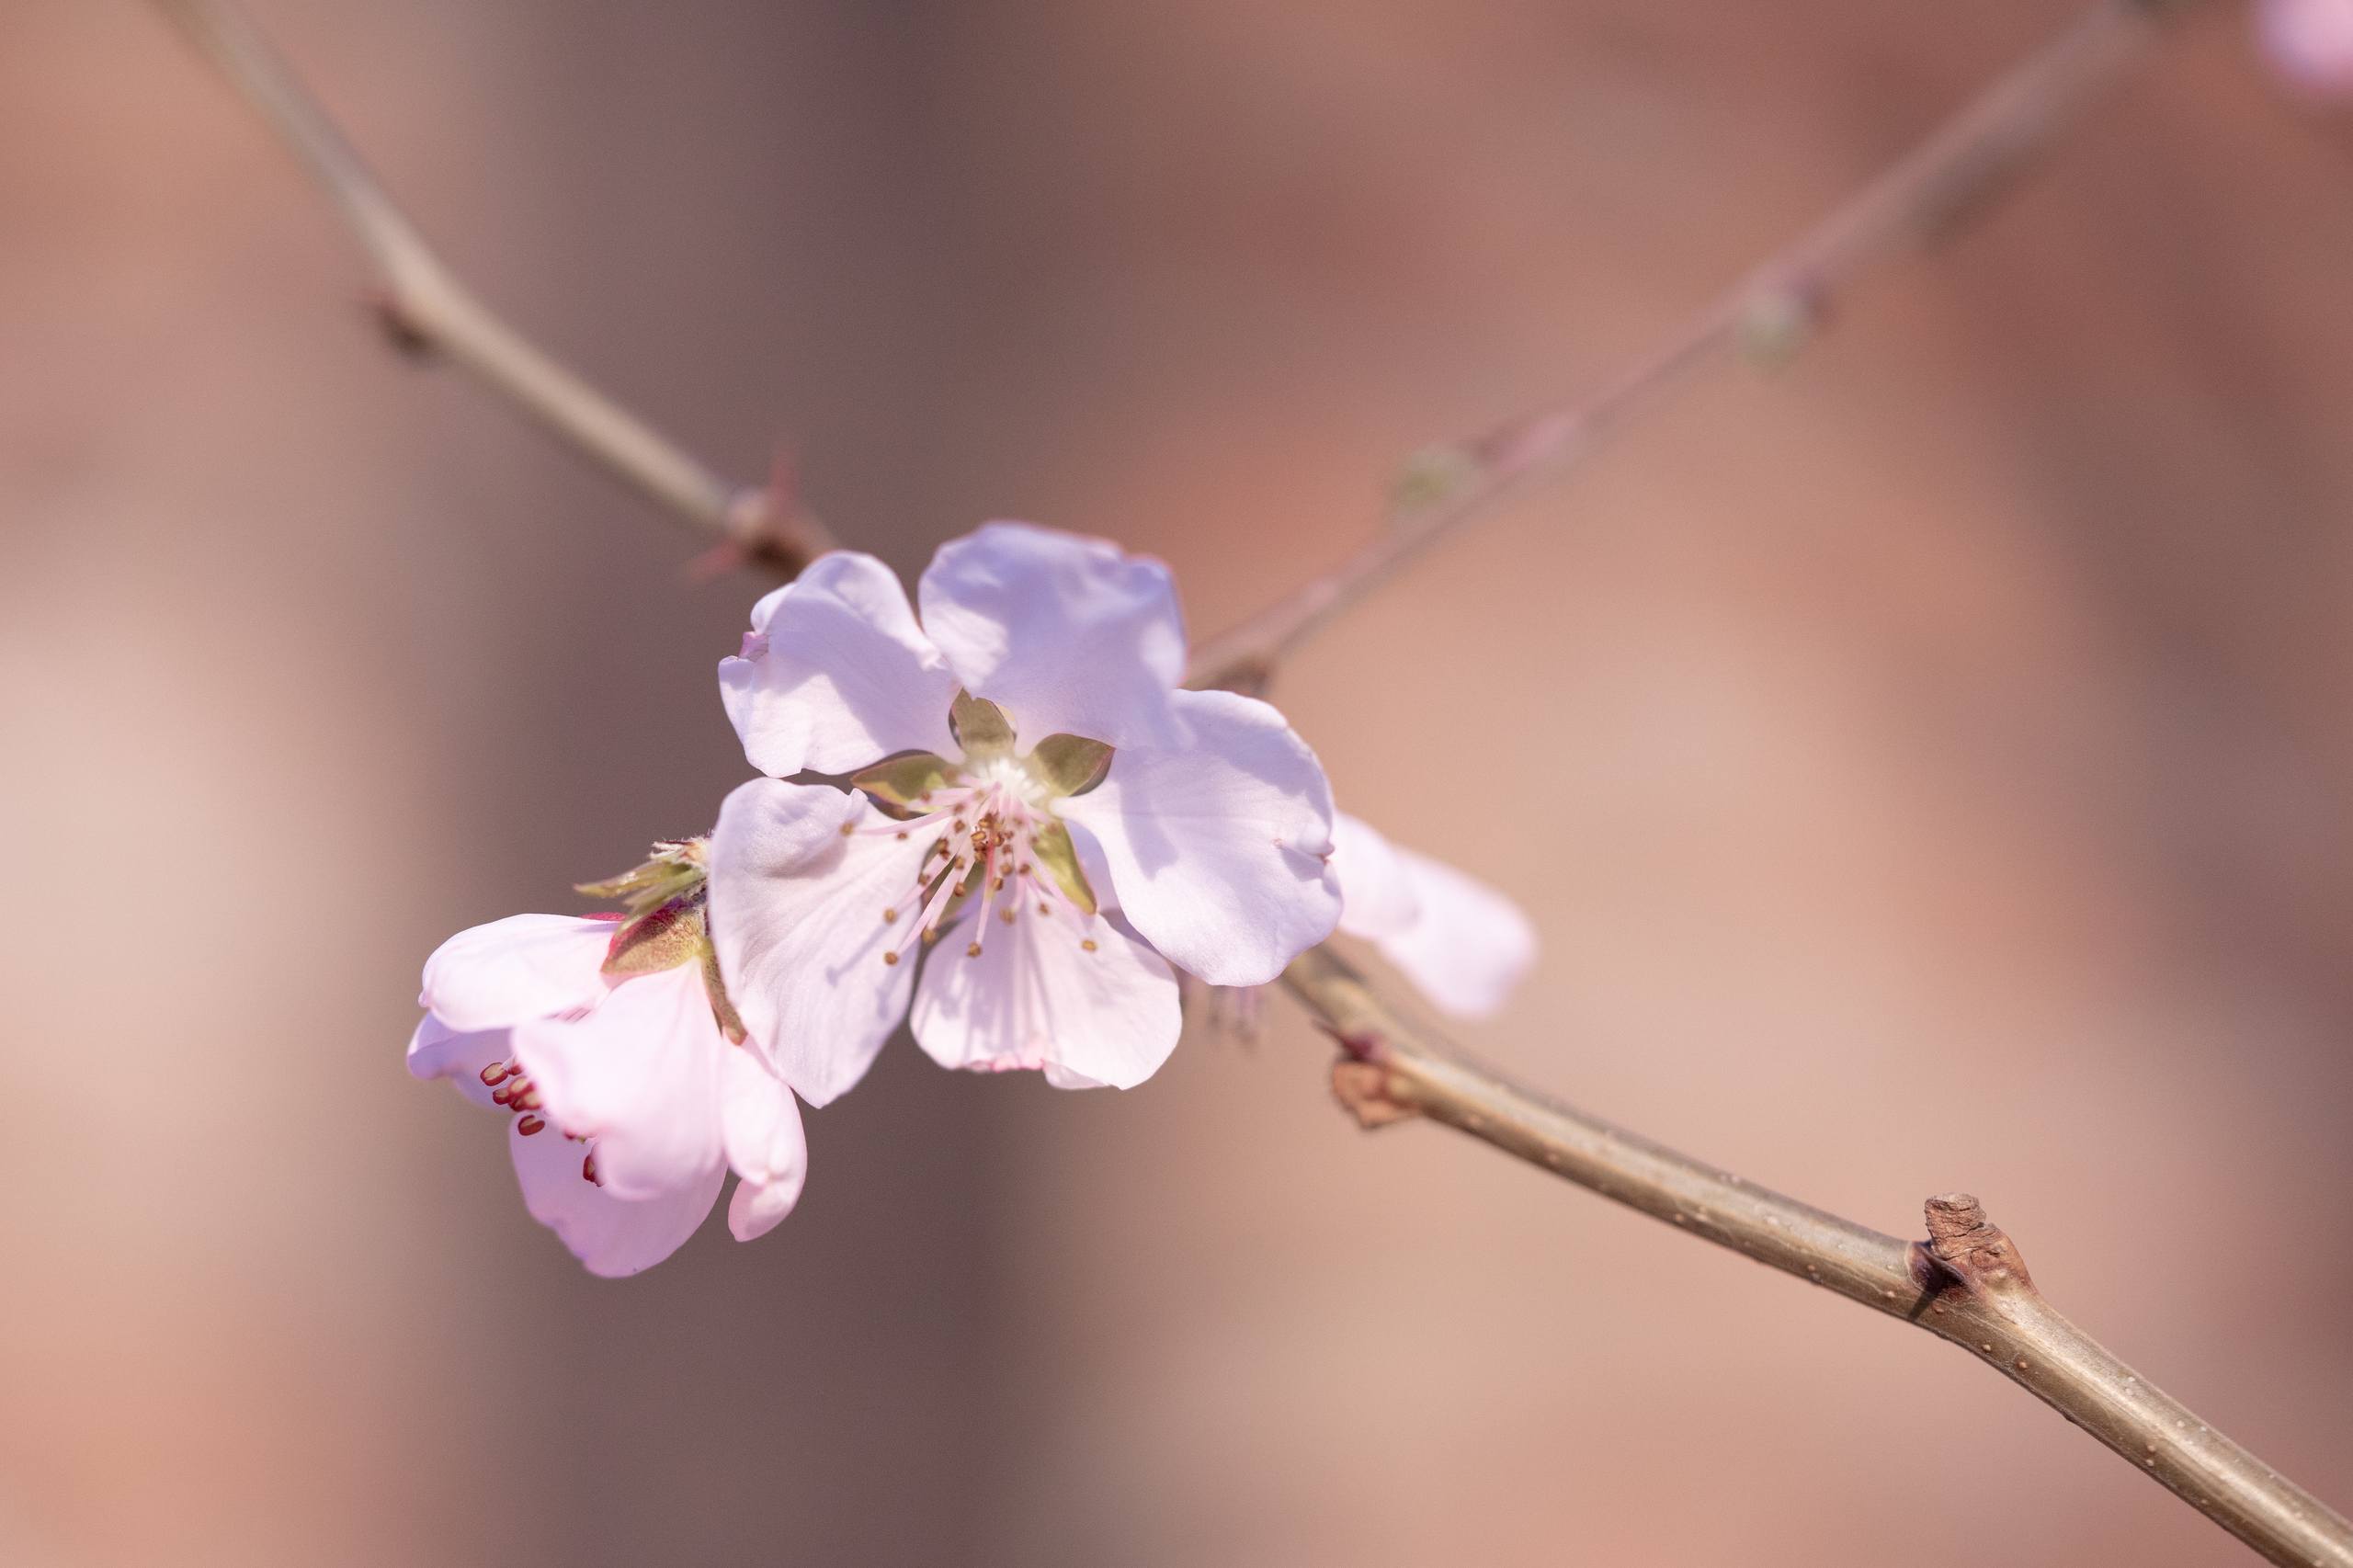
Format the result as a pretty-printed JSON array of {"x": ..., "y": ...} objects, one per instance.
[
  {"x": 1967, "y": 1284},
  {"x": 427, "y": 311},
  {"x": 1768, "y": 315}
]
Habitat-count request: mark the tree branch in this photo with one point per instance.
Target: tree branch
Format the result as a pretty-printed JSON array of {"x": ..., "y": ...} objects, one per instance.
[
  {"x": 1966, "y": 1283},
  {"x": 426, "y": 311},
  {"x": 1768, "y": 315}
]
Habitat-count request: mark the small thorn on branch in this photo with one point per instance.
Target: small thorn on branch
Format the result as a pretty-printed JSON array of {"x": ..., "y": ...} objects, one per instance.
[{"x": 1963, "y": 1243}]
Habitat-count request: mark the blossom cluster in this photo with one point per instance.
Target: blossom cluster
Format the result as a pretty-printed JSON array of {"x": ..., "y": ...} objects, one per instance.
[{"x": 995, "y": 815}]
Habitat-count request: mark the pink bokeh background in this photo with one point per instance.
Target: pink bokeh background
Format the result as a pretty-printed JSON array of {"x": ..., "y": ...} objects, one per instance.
[{"x": 1929, "y": 769}]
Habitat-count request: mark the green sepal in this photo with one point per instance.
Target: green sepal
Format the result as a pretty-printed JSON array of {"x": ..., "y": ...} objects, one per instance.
[
  {"x": 676, "y": 870},
  {"x": 662, "y": 937},
  {"x": 981, "y": 727},
  {"x": 1069, "y": 764},
  {"x": 907, "y": 778},
  {"x": 1059, "y": 859},
  {"x": 722, "y": 1007}
]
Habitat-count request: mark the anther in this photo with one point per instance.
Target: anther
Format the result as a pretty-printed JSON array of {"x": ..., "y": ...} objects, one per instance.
[
  {"x": 850, "y": 830},
  {"x": 530, "y": 1125},
  {"x": 974, "y": 951},
  {"x": 495, "y": 1074},
  {"x": 588, "y": 1170},
  {"x": 902, "y": 836},
  {"x": 1007, "y": 917},
  {"x": 1088, "y": 945},
  {"x": 890, "y": 915},
  {"x": 890, "y": 958},
  {"x": 1044, "y": 908}
]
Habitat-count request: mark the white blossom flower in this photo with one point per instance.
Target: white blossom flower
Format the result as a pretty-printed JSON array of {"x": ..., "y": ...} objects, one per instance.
[
  {"x": 627, "y": 1100},
  {"x": 1024, "y": 772},
  {"x": 1465, "y": 945},
  {"x": 2310, "y": 42}
]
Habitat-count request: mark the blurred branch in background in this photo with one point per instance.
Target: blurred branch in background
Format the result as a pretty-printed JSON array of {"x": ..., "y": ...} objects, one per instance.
[
  {"x": 1767, "y": 316},
  {"x": 426, "y": 310},
  {"x": 1966, "y": 1284}
]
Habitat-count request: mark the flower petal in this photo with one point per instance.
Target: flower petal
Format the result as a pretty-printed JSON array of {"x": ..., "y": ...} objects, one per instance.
[
  {"x": 641, "y": 1073},
  {"x": 611, "y": 1235},
  {"x": 1069, "y": 635},
  {"x": 835, "y": 674},
  {"x": 1470, "y": 946},
  {"x": 2310, "y": 42},
  {"x": 526, "y": 966},
  {"x": 796, "y": 913},
  {"x": 1217, "y": 849},
  {"x": 437, "y": 1050},
  {"x": 1064, "y": 991},
  {"x": 764, "y": 1143},
  {"x": 1377, "y": 895}
]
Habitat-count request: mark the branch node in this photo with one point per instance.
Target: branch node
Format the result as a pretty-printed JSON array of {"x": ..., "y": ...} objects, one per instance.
[
  {"x": 1966, "y": 1246},
  {"x": 1366, "y": 1091}
]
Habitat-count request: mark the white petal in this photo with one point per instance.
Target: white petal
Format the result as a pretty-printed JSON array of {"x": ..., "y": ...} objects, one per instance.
[
  {"x": 1217, "y": 851},
  {"x": 641, "y": 1073},
  {"x": 796, "y": 913},
  {"x": 1067, "y": 634},
  {"x": 835, "y": 674},
  {"x": 526, "y": 966},
  {"x": 757, "y": 1208},
  {"x": 1036, "y": 997},
  {"x": 1469, "y": 948},
  {"x": 766, "y": 1145},
  {"x": 1377, "y": 896},
  {"x": 611, "y": 1235},
  {"x": 437, "y": 1050}
]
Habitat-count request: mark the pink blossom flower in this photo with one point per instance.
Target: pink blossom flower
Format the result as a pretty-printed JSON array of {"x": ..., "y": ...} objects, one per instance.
[
  {"x": 1465, "y": 945},
  {"x": 627, "y": 1101},
  {"x": 1024, "y": 773},
  {"x": 2310, "y": 42}
]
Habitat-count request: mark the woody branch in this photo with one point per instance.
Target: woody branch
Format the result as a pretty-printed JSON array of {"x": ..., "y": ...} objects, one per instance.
[{"x": 1966, "y": 1283}]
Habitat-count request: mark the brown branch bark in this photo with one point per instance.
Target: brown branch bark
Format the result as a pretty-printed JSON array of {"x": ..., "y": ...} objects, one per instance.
[
  {"x": 1768, "y": 315},
  {"x": 426, "y": 310},
  {"x": 1966, "y": 1283}
]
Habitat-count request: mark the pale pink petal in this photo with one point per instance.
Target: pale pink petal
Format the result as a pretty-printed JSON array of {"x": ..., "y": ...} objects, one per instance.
[
  {"x": 1068, "y": 635},
  {"x": 764, "y": 1143},
  {"x": 835, "y": 674},
  {"x": 1038, "y": 997},
  {"x": 1377, "y": 896},
  {"x": 796, "y": 913},
  {"x": 1470, "y": 946},
  {"x": 641, "y": 1073},
  {"x": 613, "y": 1236},
  {"x": 526, "y": 966},
  {"x": 437, "y": 1050},
  {"x": 1217, "y": 849},
  {"x": 2310, "y": 42}
]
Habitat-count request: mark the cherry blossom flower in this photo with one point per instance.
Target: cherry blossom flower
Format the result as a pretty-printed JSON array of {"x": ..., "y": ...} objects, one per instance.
[
  {"x": 2310, "y": 42},
  {"x": 1461, "y": 943},
  {"x": 1023, "y": 775},
  {"x": 627, "y": 1100}
]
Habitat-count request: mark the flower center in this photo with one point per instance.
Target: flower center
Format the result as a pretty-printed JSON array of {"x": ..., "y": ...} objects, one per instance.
[
  {"x": 989, "y": 831},
  {"x": 511, "y": 1087}
]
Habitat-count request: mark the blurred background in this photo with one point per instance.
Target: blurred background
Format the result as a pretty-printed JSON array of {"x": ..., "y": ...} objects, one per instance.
[{"x": 1938, "y": 758}]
